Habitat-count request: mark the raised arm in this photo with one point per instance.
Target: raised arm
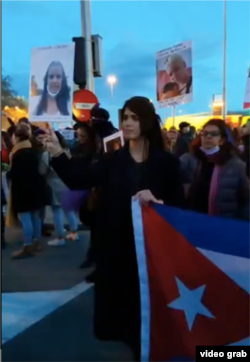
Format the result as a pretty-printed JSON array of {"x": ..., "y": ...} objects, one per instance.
[{"x": 77, "y": 173}]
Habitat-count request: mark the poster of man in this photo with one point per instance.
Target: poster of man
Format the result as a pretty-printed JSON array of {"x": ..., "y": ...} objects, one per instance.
[
  {"x": 51, "y": 83},
  {"x": 246, "y": 103},
  {"x": 174, "y": 78}
]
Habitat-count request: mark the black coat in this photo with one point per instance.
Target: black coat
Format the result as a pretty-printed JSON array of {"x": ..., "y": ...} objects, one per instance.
[
  {"x": 182, "y": 144},
  {"x": 117, "y": 299},
  {"x": 246, "y": 156},
  {"x": 27, "y": 185}
]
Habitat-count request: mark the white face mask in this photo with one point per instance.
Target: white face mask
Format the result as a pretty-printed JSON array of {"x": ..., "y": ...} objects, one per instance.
[
  {"x": 52, "y": 95},
  {"x": 211, "y": 151}
]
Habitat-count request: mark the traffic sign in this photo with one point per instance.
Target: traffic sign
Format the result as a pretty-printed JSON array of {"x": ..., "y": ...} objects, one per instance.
[{"x": 83, "y": 101}]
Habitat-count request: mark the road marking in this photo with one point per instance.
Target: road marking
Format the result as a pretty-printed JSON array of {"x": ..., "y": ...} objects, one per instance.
[{"x": 22, "y": 310}]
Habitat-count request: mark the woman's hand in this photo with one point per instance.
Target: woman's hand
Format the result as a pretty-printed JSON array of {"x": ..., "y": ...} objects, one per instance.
[
  {"x": 50, "y": 142},
  {"x": 146, "y": 196}
]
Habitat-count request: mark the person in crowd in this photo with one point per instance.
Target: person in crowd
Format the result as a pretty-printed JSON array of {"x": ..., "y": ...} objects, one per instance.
[
  {"x": 172, "y": 137},
  {"x": 34, "y": 133},
  {"x": 5, "y": 159},
  {"x": 58, "y": 188},
  {"x": 26, "y": 192},
  {"x": 88, "y": 149},
  {"x": 246, "y": 146},
  {"x": 3, "y": 219},
  {"x": 56, "y": 92},
  {"x": 86, "y": 145},
  {"x": 141, "y": 170},
  {"x": 184, "y": 139},
  {"x": 6, "y": 147},
  {"x": 192, "y": 132},
  {"x": 214, "y": 176},
  {"x": 24, "y": 120},
  {"x": 100, "y": 120}
]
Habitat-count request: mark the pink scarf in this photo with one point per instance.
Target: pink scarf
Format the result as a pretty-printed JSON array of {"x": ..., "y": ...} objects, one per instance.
[{"x": 212, "y": 210}]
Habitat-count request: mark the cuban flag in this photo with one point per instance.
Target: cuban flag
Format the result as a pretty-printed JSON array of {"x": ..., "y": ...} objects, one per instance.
[{"x": 194, "y": 281}]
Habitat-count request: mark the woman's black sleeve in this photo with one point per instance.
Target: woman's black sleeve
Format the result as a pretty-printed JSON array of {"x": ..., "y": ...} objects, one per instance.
[
  {"x": 77, "y": 173},
  {"x": 175, "y": 190}
]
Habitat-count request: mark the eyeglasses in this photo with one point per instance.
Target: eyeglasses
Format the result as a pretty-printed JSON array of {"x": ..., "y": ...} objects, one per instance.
[{"x": 210, "y": 134}]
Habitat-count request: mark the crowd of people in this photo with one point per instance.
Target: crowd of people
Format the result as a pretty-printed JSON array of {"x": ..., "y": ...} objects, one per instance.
[{"x": 205, "y": 170}]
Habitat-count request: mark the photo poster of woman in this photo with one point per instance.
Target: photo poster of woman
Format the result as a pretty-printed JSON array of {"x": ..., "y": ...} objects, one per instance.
[
  {"x": 174, "y": 75},
  {"x": 246, "y": 103},
  {"x": 51, "y": 83},
  {"x": 113, "y": 142}
]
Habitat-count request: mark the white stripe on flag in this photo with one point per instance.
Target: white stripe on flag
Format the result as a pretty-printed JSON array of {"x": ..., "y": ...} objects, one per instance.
[{"x": 143, "y": 277}]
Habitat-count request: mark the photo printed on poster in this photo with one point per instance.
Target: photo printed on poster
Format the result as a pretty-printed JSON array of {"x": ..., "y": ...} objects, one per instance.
[
  {"x": 174, "y": 75},
  {"x": 51, "y": 83}
]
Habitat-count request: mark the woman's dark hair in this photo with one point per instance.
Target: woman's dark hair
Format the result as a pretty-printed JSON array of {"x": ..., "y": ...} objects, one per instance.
[
  {"x": 149, "y": 120},
  {"x": 7, "y": 140},
  {"x": 227, "y": 149},
  {"x": 61, "y": 140},
  {"x": 62, "y": 97},
  {"x": 22, "y": 133},
  {"x": 24, "y": 120},
  {"x": 92, "y": 137}
]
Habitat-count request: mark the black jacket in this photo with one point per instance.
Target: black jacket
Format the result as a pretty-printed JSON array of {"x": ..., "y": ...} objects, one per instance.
[
  {"x": 27, "y": 185},
  {"x": 117, "y": 301},
  {"x": 246, "y": 143},
  {"x": 182, "y": 144}
]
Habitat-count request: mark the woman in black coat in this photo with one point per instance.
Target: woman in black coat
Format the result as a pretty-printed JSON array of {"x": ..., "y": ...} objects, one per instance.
[
  {"x": 141, "y": 168},
  {"x": 27, "y": 191}
]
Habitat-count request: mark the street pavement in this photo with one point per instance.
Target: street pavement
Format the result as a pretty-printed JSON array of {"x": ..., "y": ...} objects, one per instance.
[{"x": 47, "y": 307}]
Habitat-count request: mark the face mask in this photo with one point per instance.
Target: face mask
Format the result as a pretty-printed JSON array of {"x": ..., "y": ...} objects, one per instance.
[
  {"x": 210, "y": 152},
  {"x": 241, "y": 148},
  {"x": 53, "y": 95}
]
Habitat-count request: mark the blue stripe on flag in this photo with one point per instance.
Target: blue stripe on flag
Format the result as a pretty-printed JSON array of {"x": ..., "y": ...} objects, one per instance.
[{"x": 225, "y": 236}]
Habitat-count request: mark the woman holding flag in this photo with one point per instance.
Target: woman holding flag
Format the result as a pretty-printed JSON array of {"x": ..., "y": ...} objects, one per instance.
[{"x": 141, "y": 169}]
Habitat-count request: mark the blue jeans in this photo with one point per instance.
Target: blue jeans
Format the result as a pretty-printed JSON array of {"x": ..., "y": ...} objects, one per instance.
[
  {"x": 58, "y": 216},
  {"x": 32, "y": 226}
]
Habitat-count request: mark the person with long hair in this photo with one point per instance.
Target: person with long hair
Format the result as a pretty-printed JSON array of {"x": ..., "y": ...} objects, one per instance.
[
  {"x": 58, "y": 189},
  {"x": 56, "y": 92},
  {"x": 26, "y": 192},
  {"x": 86, "y": 145},
  {"x": 214, "y": 176},
  {"x": 142, "y": 170}
]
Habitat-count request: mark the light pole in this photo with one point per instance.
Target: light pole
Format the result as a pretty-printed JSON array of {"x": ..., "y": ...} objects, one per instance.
[
  {"x": 224, "y": 89},
  {"x": 86, "y": 34},
  {"x": 112, "y": 80}
]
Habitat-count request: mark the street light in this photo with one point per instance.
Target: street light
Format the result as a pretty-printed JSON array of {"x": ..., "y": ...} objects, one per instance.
[{"x": 112, "y": 80}]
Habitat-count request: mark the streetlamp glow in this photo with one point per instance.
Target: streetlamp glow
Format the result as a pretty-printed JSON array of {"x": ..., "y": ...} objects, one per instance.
[{"x": 112, "y": 80}]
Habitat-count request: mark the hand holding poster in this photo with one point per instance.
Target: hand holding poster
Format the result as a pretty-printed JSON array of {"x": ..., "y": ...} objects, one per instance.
[
  {"x": 174, "y": 75},
  {"x": 51, "y": 83},
  {"x": 113, "y": 142}
]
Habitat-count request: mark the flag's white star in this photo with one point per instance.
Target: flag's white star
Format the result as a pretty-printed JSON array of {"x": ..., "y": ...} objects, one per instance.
[{"x": 190, "y": 302}]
